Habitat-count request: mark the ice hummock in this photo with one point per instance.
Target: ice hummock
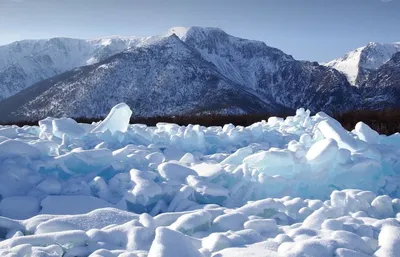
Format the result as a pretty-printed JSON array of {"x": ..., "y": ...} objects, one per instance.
[{"x": 300, "y": 186}]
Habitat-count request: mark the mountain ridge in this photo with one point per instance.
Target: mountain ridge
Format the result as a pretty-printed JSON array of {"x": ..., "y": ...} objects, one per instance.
[
  {"x": 26, "y": 62},
  {"x": 187, "y": 71},
  {"x": 359, "y": 63},
  {"x": 177, "y": 94}
]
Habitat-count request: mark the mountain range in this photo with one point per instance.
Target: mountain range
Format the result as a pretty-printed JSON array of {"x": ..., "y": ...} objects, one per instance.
[{"x": 187, "y": 71}]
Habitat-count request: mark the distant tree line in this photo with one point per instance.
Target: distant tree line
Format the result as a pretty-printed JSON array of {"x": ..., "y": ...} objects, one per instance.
[{"x": 386, "y": 121}]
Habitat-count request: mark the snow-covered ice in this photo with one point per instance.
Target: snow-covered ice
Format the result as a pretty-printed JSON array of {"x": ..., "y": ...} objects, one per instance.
[{"x": 300, "y": 186}]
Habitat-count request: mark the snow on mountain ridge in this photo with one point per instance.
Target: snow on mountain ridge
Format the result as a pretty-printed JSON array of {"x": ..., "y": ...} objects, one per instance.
[
  {"x": 377, "y": 54},
  {"x": 237, "y": 58},
  {"x": 357, "y": 63},
  {"x": 193, "y": 31},
  {"x": 208, "y": 71},
  {"x": 348, "y": 64},
  {"x": 171, "y": 76},
  {"x": 180, "y": 32},
  {"x": 220, "y": 66},
  {"x": 26, "y": 62}
]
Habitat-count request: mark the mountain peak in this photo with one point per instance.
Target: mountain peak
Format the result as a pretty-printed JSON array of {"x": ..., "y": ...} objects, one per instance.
[
  {"x": 364, "y": 59},
  {"x": 178, "y": 31},
  {"x": 185, "y": 32},
  {"x": 374, "y": 44},
  {"x": 168, "y": 39}
]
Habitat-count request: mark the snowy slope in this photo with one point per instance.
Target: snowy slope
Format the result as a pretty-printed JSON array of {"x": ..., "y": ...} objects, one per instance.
[
  {"x": 358, "y": 63},
  {"x": 26, "y": 62}
]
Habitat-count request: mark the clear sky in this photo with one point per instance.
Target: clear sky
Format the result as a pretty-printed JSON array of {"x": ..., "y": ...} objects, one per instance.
[{"x": 308, "y": 29}]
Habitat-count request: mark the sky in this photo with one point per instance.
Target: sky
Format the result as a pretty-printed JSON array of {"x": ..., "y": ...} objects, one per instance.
[{"x": 316, "y": 30}]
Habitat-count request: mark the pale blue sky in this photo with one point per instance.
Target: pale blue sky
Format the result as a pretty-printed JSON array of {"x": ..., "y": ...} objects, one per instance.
[{"x": 308, "y": 29}]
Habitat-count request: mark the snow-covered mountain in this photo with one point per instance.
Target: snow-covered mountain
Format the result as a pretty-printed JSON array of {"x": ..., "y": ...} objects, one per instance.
[
  {"x": 358, "y": 64},
  {"x": 194, "y": 70},
  {"x": 166, "y": 77},
  {"x": 26, "y": 62},
  {"x": 188, "y": 70}
]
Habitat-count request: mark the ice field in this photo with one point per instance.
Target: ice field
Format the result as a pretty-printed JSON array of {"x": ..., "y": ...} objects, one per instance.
[{"x": 301, "y": 186}]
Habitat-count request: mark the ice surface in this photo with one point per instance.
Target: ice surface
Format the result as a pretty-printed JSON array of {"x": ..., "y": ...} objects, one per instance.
[
  {"x": 169, "y": 243},
  {"x": 50, "y": 186},
  {"x": 145, "y": 192},
  {"x": 13, "y": 148},
  {"x": 116, "y": 120},
  {"x": 67, "y": 126},
  {"x": 365, "y": 133},
  {"x": 333, "y": 130},
  {"x": 262, "y": 225},
  {"x": 206, "y": 192},
  {"x": 382, "y": 206},
  {"x": 174, "y": 171},
  {"x": 208, "y": 170},
  {"x": 71, "y": 204},
  {"x": 7, "y": 133},
  {"x": 192, "y": 222},
  {"x": 237, "y": 157},
  {"x": 300, "y": 186},
  {"x": 272, "y": 162},
  {"x": 19, "y": 207},
  {"x": 84, "y": 161},
  {"x": 230, "y": 221},
  {"x": 322, "y": 151}
]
